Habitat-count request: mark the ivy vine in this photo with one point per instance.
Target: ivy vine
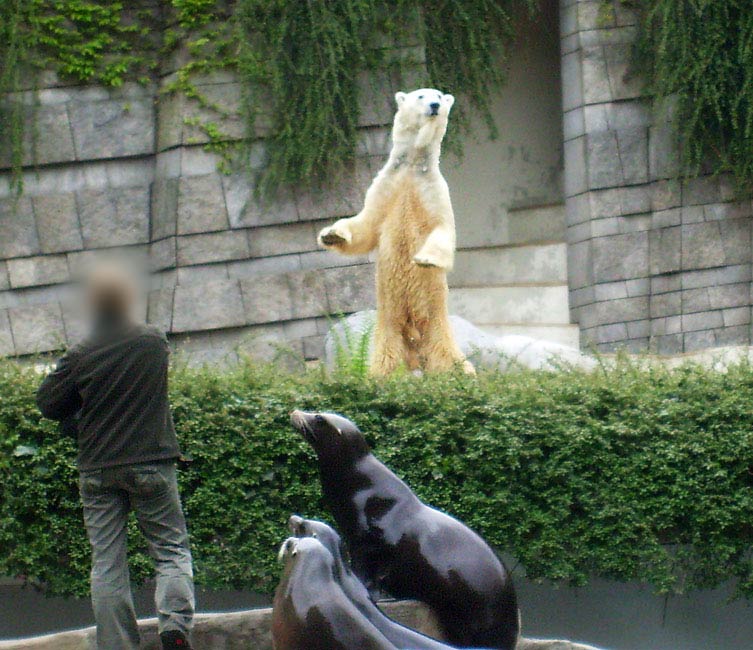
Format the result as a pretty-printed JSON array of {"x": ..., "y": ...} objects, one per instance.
[
  {"x": 299, "y": 61},
  {"x": 698, "y": 55}
]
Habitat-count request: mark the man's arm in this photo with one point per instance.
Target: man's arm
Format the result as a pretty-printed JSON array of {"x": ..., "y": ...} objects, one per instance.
[{"x": 57, "y": 396}]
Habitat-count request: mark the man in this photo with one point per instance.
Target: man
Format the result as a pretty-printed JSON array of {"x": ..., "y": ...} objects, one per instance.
[{"x": 115, "y": 386}]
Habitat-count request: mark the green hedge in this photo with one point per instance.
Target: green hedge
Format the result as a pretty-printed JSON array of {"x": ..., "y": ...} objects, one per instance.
[{"x": 628, "y": 473}]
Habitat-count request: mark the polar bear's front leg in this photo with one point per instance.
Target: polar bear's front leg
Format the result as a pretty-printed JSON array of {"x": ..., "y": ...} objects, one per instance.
[
  {"x": 438, "y": 250},
  {"x": 354, "y": 236}
]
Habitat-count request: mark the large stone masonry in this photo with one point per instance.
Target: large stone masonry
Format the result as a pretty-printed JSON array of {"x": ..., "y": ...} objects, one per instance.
[
  {"x": 126, "y": 168},
  {"x": 654, "y": 263}
]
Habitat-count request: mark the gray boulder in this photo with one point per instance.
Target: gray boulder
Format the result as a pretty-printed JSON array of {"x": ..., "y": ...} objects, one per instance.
[{"x": 350, "y": 335}]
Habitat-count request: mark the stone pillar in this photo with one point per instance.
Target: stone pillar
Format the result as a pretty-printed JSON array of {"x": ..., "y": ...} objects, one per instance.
[{"x": 655, "y": 263}]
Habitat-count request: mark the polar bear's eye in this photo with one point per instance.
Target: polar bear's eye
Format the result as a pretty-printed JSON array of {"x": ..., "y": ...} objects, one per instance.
[{"x": 420, "y": 96}]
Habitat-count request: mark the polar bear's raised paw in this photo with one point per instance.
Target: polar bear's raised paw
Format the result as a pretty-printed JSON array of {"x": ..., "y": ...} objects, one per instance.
[
  {"x": 427, "y": 261},
  {"x": 332, "y": 237}
]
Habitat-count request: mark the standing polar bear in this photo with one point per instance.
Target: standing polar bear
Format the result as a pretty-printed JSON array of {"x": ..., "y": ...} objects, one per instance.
[{"x": 407, "y": 215}]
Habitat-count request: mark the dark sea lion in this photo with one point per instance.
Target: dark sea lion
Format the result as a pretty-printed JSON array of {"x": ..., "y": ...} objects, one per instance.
[
  {"x": 401, "y": 636},
  {"x": 311, "y": 611},
  {"x": 404, "y": 547}
]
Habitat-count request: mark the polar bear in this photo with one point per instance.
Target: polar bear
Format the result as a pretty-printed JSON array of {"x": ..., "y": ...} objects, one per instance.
[{"x": 407, "y": 215}]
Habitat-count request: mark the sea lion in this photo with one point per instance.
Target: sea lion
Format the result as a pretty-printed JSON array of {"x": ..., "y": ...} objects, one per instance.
[
  {"x": 400, "y": 545},
  {"x": 311, "y": 611},
  {"x": 399, "y": 635}
]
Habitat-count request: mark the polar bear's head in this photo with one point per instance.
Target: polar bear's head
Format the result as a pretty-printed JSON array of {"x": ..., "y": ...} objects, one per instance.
[{"x": 414, "y": 109}]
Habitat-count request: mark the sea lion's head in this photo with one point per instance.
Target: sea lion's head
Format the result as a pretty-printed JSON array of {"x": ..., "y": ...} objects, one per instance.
[
  {"x": 332, "y": 436},
  {"x": 296, "y": 551},
  {"x": 300, "y": 527}
]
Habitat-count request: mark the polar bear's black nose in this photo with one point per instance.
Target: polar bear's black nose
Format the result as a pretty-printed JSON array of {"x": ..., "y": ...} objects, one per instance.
[{"x": 434, "y": 106}]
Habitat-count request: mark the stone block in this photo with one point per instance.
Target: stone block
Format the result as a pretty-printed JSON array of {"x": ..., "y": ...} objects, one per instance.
[
  {"x": 283, "y": 240},
  {"x": 606, "y": 203},
  {"x": 581, "y": 297},
  {"x": 718, "y": 276},
  {"x": 160, "y": 308},
  {"x": 212, "y": 305},
  {"x": 579, "y": 265},
  {"x": 569, "y": 44},
  {"x": 598, "y": 228},
  {"x": 572, "y": 81},
  {"x": 596, "y": 89},
  {"x": 704, "y": 320},
  {"x": 610, "y": 333},
  {"x": 575, "y": 167},
  {"x": 164, "y": 207},
  {"x": 635, "y": 200},
  {"x": 729, "y": 295},
  {"x": 75, "y": 321},
  {"x": 632, "y": 144},
  {"x": 621, "y": 310},
  {"x": 309, "y": 294},
  {"x": 344, "y": 197},
  {"x": 604, "y": 169},
  {"x": 624, "y": 82},
  {"x": 350, "y": 288},
  {"x": 577, "y": 209},
  {"x": 4, "y": 279},
  {"x": 37, "y": 328},
  {"x": 727, "y": 211},
  {"x": 7, "y": 348},
  {"x": 115, "y": 216},
  {"x": 35, "y": 271},
  {"x": 736, "y": 241},
  {"x": 666, "y": 218},
  {"x": 201, "y": 274},
  {"x": 701, "y": 191},
  {"x": 226, "y": 96},
  {"x": 112, "y": 128},
  {"x": 638, "y": 329},
  {"x": 313, "y": 347},
  {"x": 246, "y": 210},
  {"x": 572, "y": 124},
  {"x": 54, "y": 143},
  {"x": 163, "y": 254},
  {"x": 663, "y": 152},
  {"x": 621, "y": 257},
  {"x": 212, "y": 247},
  {"x": 703, "y": 246},
  {"x": 568, "y": 20},
  {"x": 665, "y": 250},
  {"x": 666, "y": 194},
  {"x": 18, "y": 233},
  {"x": 736, "y": 316},
  {"x": 610, "y": 291},
  {"x": 692, "y": 214},
  {"x": 267, "y": 299},
  {"x": 57, "y": 223},
  {"x": 665, "y": 304},
  {"x": 201, "y": 205},
  {"x": 666, "y": 283},
  {"x": 670, "y": 344},
  {"x": 638, "y": 287}
]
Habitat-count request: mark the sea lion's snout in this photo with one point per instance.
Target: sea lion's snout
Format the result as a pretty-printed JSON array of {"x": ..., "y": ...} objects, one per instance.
[
  {"x": 295, "y": 524},
  {"x": 298, "y": 419},
  {"x": 289, "y": 548}
]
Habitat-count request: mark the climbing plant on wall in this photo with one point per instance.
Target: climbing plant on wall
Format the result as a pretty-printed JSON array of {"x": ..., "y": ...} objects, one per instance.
[
  {"x": 305, "y": 59},
  {"x": 698, "y": 56}
]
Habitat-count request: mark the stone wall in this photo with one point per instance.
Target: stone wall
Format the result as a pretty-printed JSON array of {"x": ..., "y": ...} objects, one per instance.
[{"x": 654, "y": 263}]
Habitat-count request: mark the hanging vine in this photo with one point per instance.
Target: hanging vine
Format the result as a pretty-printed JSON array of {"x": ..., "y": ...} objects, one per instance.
[
  {"x": 300, "y": 62},
  {"x": 698, "y": 55}
]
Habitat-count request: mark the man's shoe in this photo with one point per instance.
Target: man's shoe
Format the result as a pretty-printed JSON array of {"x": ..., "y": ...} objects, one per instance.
[{"x": 174, "y": 640}]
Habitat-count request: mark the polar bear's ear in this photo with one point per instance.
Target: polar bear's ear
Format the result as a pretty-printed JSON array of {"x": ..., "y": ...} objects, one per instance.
[
  {"x": 448, "y": 99},
  {"x": 400, "y": 98}
]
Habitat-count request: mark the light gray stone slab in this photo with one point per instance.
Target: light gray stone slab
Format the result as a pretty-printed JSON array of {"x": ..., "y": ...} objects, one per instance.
[
  {"x": 164, "y": 207},
  {"x": 572, "y": 123},
  {"x": 211, "y": 305},
  {"x": 594, "y": 14},
  {"x": 665, "y": 250},
  {"x": 267, "y": 299},
  {"x": 663, "y": 152},
  {"x": 579, "y": 265},
  {"x": 603, "y": 160},
  {"x": 670, "y": 344},
  {"x": 112, "y": 128},
  {"x": 736, "y": 241},
  {"x": 572, "y": 82},
  {"x": 620, "y": 257},
  {"x": 283, "y": 240},
  {"x": 54, "y": 142},
  {"x": 212, "y": 247},
  {"x": 666, "y": 304},
  {"x": 666, "y": 218},
  {"x": 575, "y": 167},
  {"x": 201, "y": 274},
  {"x": 246, "y": 210},
  {"x": 736, "y": 316},
  {"x": 666, "y": 194},
  {"x": 702, "y": 246},
  {"x": 4, "y": 279},
  {"x": 76, "y": 321},
  {"x": 344, "y": 197},
  {"x": 264, "y": 266},
  {"x": 350, "y": 288},
  {"x": 6, "y": 336},
  {"x": 665, "y": 283},
  {"x": 160, "y": 308},
  {"x": 632, "y": 144},
  {"x": 201, "y": 205},
  {"x": 37, "y": 328},
  {"x": 57, "y": 223},
  {"x": 34, "y": 271},
  {"x": 18, "y": 233},
  {"x": 596, "y": 88},
  {"x": 163, "y": 254},
  {"x": 223, "y": 96},
  {"x": 309, "y": 294},
  {"x": 114, "y": 216},
  {"x": 716, "y": 276},
  {"x": 610, "y": 291},
  {"x": 702, "y": 321},
  {"x": 577, "y": 209},
  {"x": 624, "y": 82},
  {"x": 701, "y": 190}
]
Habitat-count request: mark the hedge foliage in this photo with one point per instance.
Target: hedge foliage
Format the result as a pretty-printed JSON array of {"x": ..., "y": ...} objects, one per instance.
[{"x": 628, "y": 473}]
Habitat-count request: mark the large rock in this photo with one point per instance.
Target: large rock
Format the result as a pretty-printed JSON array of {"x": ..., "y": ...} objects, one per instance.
[
  {"x": 249, "y": 630},
  {"x": 484, "y": 350}
]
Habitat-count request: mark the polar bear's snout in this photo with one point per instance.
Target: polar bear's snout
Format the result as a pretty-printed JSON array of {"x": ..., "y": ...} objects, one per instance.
[{"x": 434, "y": 108}]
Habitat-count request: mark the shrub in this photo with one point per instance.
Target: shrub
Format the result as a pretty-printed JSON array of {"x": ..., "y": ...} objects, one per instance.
[{"x": 628, "y": 473}]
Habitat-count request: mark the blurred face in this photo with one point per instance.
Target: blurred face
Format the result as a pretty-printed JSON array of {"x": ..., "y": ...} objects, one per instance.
[{"x": 111, "y": 291}]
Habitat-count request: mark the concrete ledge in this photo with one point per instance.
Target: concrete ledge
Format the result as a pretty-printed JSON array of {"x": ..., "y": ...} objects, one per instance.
[{"x": 248, "y": 630}]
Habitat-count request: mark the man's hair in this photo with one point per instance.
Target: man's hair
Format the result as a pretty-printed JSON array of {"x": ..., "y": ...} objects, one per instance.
[{"x": 111, "y": 291}]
